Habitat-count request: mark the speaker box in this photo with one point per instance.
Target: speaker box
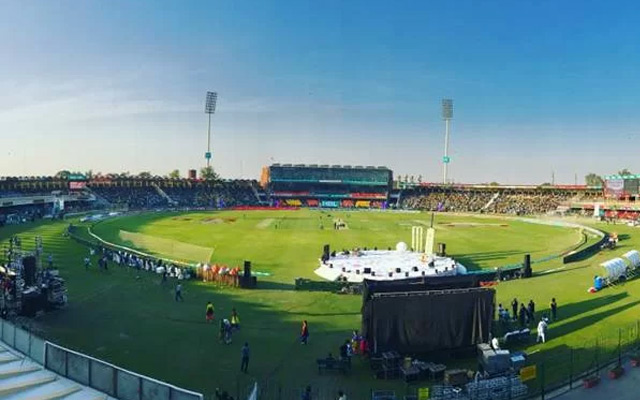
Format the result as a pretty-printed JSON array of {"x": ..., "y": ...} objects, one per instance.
[
  {"x": 415, "y": 269},
  {"x": 248, "y": 282},
  {"x": 247, "y": 269},
  {"x": 526, "y": 267},
  {"x": 367, "y": 270},
  {"x": 442, "y": 249},
  {"x": 326, "y": 252},
  {"x": 398, "y": 270},
  {"x": 29, "y": 264}
]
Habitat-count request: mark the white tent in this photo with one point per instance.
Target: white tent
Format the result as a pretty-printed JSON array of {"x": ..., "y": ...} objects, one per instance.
[
  {"x": 615, "y": 269},
  {"x": 634, "y": 258}
]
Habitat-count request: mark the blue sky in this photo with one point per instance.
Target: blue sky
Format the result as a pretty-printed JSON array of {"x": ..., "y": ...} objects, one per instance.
[{"x": 538, "y": 86}]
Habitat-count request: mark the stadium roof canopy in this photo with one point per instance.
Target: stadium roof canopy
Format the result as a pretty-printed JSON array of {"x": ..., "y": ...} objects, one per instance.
[
  {"x": 609, "y": 177},
  {"x": 327, "y": 166}
]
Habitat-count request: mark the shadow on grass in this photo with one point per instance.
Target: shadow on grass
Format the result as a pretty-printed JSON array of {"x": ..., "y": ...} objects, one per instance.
[
  {"x": 556, "y": 331},
  {"x": 569, "y": 310},
  {"x": 559, "y": 270},
  {"x": 270, "y": 285},
  {"x": 471, "y": 261},
  {"x": 322, "y": 314},
  {"x": 564, "y": 312}
]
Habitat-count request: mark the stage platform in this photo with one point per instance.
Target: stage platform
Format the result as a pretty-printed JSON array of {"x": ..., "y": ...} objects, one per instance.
[{"x": 387, "y": 265}]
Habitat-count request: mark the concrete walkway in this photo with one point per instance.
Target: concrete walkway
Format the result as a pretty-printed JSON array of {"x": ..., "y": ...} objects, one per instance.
[{"x": 623, "y": 388}]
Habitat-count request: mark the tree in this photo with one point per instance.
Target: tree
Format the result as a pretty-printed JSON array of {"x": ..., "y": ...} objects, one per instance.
[
  {"x": 145, "y": 175},
  {"x": 89, "y": 174},
  {"x": 593, "y": 179},
  {"x": 175, "y": 174},
  {"x": 494, "y": 183},
  {"x": 412, "y": 179},
  {"x": 64, "y": 174},
  {"x": 624, "y": 171},
  {"x": 419, "y": 178},
  {"x": 546, "y": 184},
  {"x": 208, "y": 174}
]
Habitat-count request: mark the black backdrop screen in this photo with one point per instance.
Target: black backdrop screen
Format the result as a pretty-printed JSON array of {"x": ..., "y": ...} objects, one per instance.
[{"x": 421, "y": 322}]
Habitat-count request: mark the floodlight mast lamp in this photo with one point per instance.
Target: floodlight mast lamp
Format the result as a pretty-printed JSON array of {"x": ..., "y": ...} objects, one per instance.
[
  {"x": 447, "y": 115},
  {"x": 210, "y": 108}
]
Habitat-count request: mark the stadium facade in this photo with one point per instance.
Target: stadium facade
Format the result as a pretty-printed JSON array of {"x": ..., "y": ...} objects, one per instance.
[
  {"x": 335, "y": 186},
  {"x": 308, "y": 185}
]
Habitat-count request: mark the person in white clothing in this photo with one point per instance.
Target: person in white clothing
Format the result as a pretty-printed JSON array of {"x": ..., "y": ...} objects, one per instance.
[
  {"x": 495, "y": 344},
  {"x": 542, "y": 331}
]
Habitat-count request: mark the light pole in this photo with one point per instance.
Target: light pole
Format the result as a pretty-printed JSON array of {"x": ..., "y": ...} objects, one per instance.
[
  {"x": 447, "y": 115},
  {"x": 210, "y": 108}
]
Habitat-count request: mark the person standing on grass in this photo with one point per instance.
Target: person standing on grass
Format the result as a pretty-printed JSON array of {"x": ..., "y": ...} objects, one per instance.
[
  {"x": 342, "y": 395},
  {"x": 235, "y": 319},
  {"x": 209, "y": 312},
  {"x": 514, "y": 308},
  {"x": 222, "y": 331},
  {"x": 554, "y": 309},
  {"x": 542, "y": 331},
  {"x": 244, "y": 364},
  {"x": 522, "y": 315},
  {"x": 304, "y": 336},
  {"x": 179, "y": 292},
  {"x": 531, "y": 309}
]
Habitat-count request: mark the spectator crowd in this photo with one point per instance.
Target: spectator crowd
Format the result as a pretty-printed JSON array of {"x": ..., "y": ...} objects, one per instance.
[
  {"x": 214, "y": 195},
  {"x": 468, "y": 200}
]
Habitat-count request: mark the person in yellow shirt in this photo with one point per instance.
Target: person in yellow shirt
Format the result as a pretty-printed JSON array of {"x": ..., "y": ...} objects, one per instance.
[
  {"x": 235, "y": 319},
  {"x": 209, "y": 313}
]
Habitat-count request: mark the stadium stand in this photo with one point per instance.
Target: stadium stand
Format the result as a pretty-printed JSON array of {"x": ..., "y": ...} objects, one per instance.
[
  {"x": 187, "y": 193},
  {"x": 491, "y": 199},
  {"x": 328, "y": 186},
  {"x": 24, "y": 378},
  {"x": 24, "y": 199}
]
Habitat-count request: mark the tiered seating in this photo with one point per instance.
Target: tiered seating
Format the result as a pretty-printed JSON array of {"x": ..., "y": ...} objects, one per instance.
[{"x": 22, "y": 378}]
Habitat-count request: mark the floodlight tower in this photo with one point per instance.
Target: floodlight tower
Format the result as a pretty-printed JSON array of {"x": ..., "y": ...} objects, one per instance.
[
  {"x": 210, "y": 108},
  {"x": 447, "y": 115}
]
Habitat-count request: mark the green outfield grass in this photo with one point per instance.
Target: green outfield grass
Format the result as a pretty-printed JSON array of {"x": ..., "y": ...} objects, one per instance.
[{"x": 134, "y": 322}]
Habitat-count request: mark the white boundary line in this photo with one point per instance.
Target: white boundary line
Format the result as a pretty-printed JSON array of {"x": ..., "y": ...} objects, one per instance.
[{"x": 135, "y": 251}]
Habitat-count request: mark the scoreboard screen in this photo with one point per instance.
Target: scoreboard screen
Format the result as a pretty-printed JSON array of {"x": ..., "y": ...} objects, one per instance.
[{"x": 614, "y": 187}]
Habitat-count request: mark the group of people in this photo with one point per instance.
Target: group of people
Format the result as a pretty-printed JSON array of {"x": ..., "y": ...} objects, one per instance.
[
  {"x": 211, "y": 195},
  {"x": 22, "y": 214},
  {"x": 525, "y": 315},
  {"x": 438, "y": 199},
  {"x": 466, "y": 200},
  {"x": 527, "y": 203},
  {"x": 138, "y": 197},
  {"x": 136, "y": 262},
  {"x": 227, "y": 325},
  {"x": 219, "y": 273}
]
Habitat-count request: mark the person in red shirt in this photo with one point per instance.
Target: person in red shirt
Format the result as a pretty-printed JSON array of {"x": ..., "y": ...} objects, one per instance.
[{"x": 304, "y": 336}]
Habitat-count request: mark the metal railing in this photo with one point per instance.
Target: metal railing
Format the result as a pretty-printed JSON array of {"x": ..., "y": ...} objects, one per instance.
[{"x": 100, "y": 375}]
